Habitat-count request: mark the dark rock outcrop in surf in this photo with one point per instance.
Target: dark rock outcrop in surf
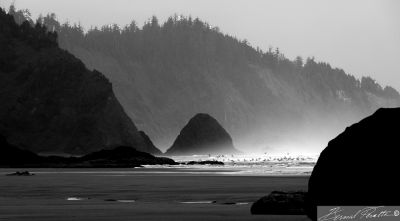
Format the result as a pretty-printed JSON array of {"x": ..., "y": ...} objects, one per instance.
[
  {"x": 202, "y": 135},
  {"x": 21, "y": 173},
  {"x": 280, "y": 203},
  {"x": 205, "y": 162},
  {"x": 360, "y": 166}
]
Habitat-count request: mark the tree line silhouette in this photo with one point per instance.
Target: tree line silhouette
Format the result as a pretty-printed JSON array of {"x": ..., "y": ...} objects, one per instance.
[{"x": 186, "y": 44}]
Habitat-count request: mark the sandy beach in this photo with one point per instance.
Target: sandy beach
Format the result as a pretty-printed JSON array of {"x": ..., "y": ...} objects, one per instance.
[{"x": 138, "y": 194}]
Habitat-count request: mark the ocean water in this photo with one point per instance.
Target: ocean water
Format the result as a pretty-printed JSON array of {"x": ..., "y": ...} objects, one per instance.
[{"x": 181, "y": 192}]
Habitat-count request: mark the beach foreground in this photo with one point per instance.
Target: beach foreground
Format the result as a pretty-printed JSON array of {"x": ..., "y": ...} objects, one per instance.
[{"x": 138, "y": 194}]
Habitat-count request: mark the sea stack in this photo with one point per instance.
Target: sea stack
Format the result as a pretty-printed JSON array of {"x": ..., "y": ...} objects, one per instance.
[
  {"x": 202, "y": 135},
  {"x": 360, "y": 166}
]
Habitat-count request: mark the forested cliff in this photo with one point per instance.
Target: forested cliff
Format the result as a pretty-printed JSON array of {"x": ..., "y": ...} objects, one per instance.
[
  {"x": 50, "y": 102},
  {"x": 165, "y": 73}
]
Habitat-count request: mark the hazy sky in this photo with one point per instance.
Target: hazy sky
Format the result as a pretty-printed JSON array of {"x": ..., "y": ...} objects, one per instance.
[{"x": 360, "y": 36}]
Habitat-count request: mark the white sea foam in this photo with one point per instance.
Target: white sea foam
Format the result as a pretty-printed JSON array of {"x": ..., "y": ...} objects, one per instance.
[
  {"x": 198, "y": 202},
  {"x": 76, "y": 198},
  {"x": 126, "y": 201}
]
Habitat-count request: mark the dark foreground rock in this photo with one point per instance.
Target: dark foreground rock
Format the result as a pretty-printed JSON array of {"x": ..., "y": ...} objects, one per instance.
[
  {"x": 280, "y": 203},
  {"x": 202, "y": 135},
  {"x": 120, "y": 157},
  {"x": 360, "y": 166},
  {"x": 205, "y": 162}
]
